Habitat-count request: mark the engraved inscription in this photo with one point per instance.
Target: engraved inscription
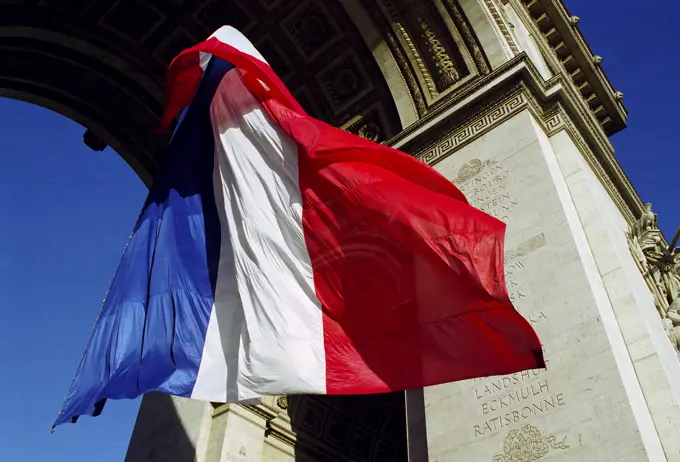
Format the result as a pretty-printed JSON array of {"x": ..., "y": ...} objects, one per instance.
[
  {"x": 504, "y": 409},
  {"x": 484, "y": 184},
  {"x": 518, "y": 292},
  {"x": 535, "y": 318},
  {"x": 509, "y": 401}
]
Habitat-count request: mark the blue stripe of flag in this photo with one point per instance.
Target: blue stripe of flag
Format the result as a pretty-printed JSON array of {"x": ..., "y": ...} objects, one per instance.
[{"x": 151, "y": 331}]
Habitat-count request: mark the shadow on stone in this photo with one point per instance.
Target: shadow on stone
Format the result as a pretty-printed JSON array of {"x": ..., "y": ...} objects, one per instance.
[
  {"x": 368, "y": 428},
  {"x": 159, "y": 433}
]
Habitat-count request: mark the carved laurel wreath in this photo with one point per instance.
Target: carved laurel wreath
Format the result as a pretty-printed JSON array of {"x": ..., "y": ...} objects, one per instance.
[
  {"x": 282, "y": 402},
  {"x": 471, "y": 169},
  {"x": 527, "y": 445}
]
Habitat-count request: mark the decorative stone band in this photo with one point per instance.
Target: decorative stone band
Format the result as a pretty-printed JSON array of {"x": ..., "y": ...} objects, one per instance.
[
  {"x": 470, "y": 39},
  {"x": 518, "y": 86},
  {"x": 552, "y": 121},
  {"x": 488, "y": 118}
]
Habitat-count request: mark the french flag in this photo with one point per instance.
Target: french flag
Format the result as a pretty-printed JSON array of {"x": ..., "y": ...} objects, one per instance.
[{"x": 277, "y": 254}]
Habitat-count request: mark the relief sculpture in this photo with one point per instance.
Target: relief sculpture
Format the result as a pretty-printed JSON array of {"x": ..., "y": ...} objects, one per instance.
[
  {"x": 528, "y": 444},
  {"x": 471, "y": 169},
  {"x": 660, "y": 266},
  {"x": 435, "y": 53}
]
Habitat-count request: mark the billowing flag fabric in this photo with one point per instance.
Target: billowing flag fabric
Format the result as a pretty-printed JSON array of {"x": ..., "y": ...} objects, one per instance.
[{"x": 277, "y": 254}]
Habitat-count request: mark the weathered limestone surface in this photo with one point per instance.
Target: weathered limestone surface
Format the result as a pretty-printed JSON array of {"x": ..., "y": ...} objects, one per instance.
[
  {"x": 654, "y": 359},
  {"x": 588, "y": 405}
]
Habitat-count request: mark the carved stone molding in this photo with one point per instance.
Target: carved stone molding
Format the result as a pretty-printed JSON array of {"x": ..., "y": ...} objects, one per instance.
[
  {"x": 367, "y": 428},
  {"x": 554, "y": 104},
  {"x": 468, "y": 131},
  {"x": 446, "y": 68},
  {"x": 469, "y": 37},
  {"x": 343, "y": 428},
  {"x": 367, "y": 125},
  {"x": 441, "y": 53},
  {"x": 282, "y": 402},
  {"x": 415, "y": 92},
  {"x": 422, "y": 31},
  {"x": 472, "y": 169},
  {"x": 502, "y": 26},
  {"x": 565, "y": 51},
  {"x": 344, "y": 82},
  {"x": 401, "y": 28},
  {"x": 660, "y": 266}
]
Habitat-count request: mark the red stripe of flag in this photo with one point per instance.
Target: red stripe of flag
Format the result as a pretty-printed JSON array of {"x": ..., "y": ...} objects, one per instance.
[{"x": 409, "y": 275}]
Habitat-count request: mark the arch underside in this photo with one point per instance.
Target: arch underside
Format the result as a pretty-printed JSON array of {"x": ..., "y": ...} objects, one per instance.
[
  {"x": 349, "y": 428},
  {"x": 369, "y": 66},
  {"x": 372, "y": 67},
  {"x": 103, "y": 63}
]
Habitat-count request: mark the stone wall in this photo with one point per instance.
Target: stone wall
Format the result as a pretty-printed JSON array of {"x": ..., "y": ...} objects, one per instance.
[{"x": 588, "y": 404}]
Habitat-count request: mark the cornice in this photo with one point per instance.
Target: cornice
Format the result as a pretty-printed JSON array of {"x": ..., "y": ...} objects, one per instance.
[
  {"x": 515, "y": 86},
  {"x": 569, "y": 50}
]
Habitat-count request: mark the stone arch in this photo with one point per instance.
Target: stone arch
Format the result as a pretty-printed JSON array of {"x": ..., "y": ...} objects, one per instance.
[
  {"x": 377, "y": 43},
  {"x": 490, "y": 29},
  {"x": 102, "y": 63},
  {"x": 71, "y": 75}
]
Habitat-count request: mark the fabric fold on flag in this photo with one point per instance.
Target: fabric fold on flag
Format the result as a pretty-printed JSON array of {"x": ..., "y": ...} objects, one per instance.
[{"x": 277, "y": 254}]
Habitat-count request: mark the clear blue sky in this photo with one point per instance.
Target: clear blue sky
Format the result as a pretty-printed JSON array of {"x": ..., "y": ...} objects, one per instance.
[{"x": 67, "y": 213}]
